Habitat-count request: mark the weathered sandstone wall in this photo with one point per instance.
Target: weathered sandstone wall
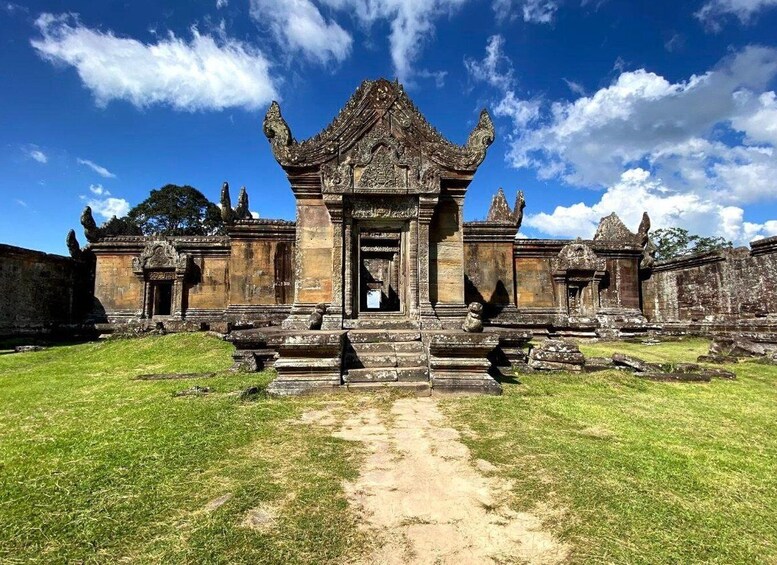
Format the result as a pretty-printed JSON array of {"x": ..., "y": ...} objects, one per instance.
[
  {"x": 716, "y": 290},
  {"x": 39, "y": 291}
]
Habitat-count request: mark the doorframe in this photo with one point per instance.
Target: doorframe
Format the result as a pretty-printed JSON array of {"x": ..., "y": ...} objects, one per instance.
[{"x": 403, "y": 225}]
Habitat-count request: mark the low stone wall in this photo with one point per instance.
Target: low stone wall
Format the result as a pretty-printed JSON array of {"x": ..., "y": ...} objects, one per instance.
[
  {"x": 39, "y": 292},
  {"x": 720, "y": 291}
]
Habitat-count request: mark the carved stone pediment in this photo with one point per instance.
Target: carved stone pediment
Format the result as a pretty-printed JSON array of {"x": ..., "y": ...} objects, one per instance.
[
  {"x": 578, "y": 256},
  {"x": 160, "y": 256},
  {"x": 377, "y": 102}
]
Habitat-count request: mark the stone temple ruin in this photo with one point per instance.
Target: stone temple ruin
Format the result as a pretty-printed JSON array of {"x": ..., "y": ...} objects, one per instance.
[{"x": 379, "y": 280}]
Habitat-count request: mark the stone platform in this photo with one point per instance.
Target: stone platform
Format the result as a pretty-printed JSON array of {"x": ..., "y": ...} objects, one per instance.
[{"x": 414, "y": 361}]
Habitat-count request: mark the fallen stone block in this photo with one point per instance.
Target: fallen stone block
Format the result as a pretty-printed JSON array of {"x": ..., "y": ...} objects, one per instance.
[
  {"x": 717, "y": 359},
  {"x": 673, "y": 377},
  {"x": 556, "y": 355},
  {"x": 194, "y": 391},
  {"x": 594, "y": 364},
  {"x": 173, "y": 376},
  {"x": 28, "y": 348},
  {"x": 623, "y": 360}
]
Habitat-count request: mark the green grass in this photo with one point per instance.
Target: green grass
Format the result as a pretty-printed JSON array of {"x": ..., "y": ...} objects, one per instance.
[
  {"x": 634, "y": 471},
  {"x": 98, "y": 467}
]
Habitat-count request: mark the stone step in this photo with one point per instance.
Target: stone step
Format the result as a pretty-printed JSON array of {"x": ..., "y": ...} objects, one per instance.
[
  {"x": 383, "y": 335},
  {"x": 412, "y": 374},
  {"x": 371, "y": 360},
  {"x": 376, "y": 347},
  {"x": 375, "y": 360},
  {"x": 371, "y": 375},
  {"x": 411, "y": 360},
  {"x": 413, "y": 388},
  {"x": 387, "y": 374}
]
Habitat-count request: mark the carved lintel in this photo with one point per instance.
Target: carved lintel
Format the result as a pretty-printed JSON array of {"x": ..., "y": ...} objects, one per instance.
[
  {"x": 578, "y": 257},
  {"x": 382, "y": 207},
  {"x": 160, "y": 255}
]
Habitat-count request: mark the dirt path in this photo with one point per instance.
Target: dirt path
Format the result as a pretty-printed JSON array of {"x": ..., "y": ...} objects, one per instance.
[{"x": 420, "y": 491}]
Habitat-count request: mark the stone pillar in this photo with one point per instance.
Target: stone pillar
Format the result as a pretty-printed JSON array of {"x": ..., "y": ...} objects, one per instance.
[
  {"x": 348, "y": 250},
  {"x": 426, "y": 311},
  {"x": 313, "y": 261},
  {"x": 334, "y": 316},
  {"x": 560, "y": 289},
  {"x": 448, "y": 255}
]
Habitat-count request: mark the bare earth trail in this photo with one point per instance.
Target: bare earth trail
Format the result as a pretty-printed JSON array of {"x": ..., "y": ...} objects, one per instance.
[{"x": 421, "y": 493}]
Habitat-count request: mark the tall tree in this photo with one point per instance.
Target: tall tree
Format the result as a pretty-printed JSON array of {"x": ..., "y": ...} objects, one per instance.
[
  {"x": 177, "y": 210},
  {"x": 676, "y": 242}
]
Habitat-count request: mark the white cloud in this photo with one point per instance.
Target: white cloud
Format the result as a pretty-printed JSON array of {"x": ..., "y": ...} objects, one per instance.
[
  {"x": 21, "y": 203},
  {"x": 34, "y": 153},
  {"x": 533, "y": 11},
  {"x": 98, "y": 190},
  {"x": 299, "y": 25},
  {"x": 637, "y": 191},
  {"x": 411, "y": 23},
  {"x": 496, "y": 70},
  {"x": 109, "y": 207},
  {"x": 745, "y": 10},
  {"x": 102, "y": 171},
  {"x": 521, "y": 112},
  {"x": 692, "y": 153},
  {"x": 674, "y": 128},
  {"x": 575, "y": 87},
  {"x": 206, "y": 73},
  {"x": 221, "y": 4}
]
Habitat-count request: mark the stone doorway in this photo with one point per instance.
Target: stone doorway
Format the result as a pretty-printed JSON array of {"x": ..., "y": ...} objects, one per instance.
[
  {"x": 381, "y": 273},
  {"x": 162, "y": 298}
]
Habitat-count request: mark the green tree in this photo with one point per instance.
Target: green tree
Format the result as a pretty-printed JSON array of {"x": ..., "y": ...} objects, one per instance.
[
  {"x": 177, "y": 210},
  {"x": 120, "y": 226},
  {"x": 676, "y": 242}
]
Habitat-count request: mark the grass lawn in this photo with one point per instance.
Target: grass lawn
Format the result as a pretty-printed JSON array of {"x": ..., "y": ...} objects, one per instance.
[
  {"x": 98, "y": 467},
  {"x": 633, "y": 471}
]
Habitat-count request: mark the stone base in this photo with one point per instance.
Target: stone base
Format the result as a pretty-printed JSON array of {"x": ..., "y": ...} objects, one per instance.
[
  {"x": 309, "y": 361},
  {"x": 458, "y": 362}
]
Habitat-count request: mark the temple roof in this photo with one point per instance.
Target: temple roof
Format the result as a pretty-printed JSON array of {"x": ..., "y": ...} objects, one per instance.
[{"x": 371, "y": 103}]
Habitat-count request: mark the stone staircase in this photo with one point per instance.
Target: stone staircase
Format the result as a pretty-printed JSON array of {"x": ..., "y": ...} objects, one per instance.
[{"x": 386, "y": 358}]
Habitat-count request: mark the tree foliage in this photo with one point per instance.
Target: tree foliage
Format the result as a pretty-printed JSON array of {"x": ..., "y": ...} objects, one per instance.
[
  {"x": 120, "y": 226},
  {"x": 676, "y": 242},
  {"x": 177, "y": 210}
]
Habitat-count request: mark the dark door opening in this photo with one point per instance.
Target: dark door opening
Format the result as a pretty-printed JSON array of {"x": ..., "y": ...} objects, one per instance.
[
  {"x": 163, "y": 299},
  {"x": 380, "y": 270}
]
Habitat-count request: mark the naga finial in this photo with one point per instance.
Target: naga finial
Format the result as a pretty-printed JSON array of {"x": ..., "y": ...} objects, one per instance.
[
  {"x": 242, "y": 212},
  {"x": 644, "y": 228},
  {"x": 275, "y": 128},
  {"x": 520, "y": 204},
  {"x": 73, "y": 247},
  {"x": 481, "y": 137},
  {"x": 91, "y": 231},
  {"x": 227, "y": 214}
]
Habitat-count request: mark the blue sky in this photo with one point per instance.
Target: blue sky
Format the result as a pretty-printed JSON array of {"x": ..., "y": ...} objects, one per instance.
[{"x": 599, "y": 106}]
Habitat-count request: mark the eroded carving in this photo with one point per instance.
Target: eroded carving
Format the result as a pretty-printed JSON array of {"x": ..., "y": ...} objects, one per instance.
[
  {"x": 159, "y": 255},
  {"x": 473, "y": 323},
  {"x": 578, "y": 256},
  {"x": 91, "y": 231}
]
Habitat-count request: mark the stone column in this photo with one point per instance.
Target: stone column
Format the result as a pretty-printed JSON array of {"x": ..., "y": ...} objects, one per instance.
[
  {"x": 348, "y": 248},
  {"x": 334, "y": 315},
  {"x": 426, "y": 311}
]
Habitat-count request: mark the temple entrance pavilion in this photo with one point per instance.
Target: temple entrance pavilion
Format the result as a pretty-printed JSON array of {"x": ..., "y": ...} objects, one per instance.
[
  {"x": 379, "y": 248},
  {"x": 380, "y": 197}
]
